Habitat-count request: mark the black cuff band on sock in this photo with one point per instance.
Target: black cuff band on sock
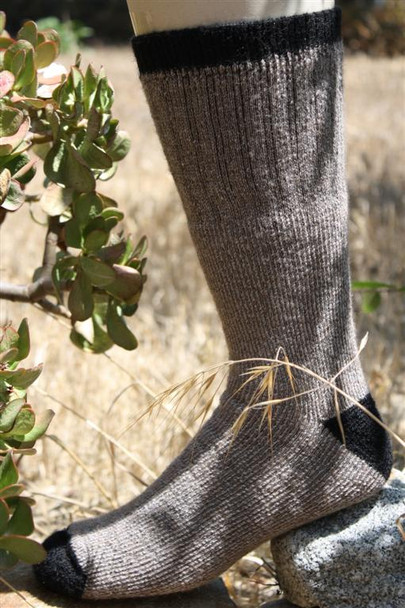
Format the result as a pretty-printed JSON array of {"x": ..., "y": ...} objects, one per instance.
[{"x": 231, "y": 43}]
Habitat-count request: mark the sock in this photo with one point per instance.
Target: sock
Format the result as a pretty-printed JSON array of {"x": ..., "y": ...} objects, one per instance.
[{"x": 250, "y": 119}]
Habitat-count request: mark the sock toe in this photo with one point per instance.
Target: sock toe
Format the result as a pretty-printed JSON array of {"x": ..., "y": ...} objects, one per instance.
[{"x": 61, "y": 571}]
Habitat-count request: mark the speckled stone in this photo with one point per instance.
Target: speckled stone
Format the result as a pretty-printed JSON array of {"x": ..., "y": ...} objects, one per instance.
[{"x": 352, "y": 559}]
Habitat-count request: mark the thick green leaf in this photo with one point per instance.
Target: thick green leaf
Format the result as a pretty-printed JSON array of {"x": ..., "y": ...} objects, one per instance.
[
  {"x": 64, "y": 165},
  {"x": 24, "y": 422},
  {"x": 31, "y": 89},
  {"x": 4, "y": 515},
  {"x": 107, "y": 201},
  {"x": 112, "y": 253},
  {"x": 45, "y": 54},
  {"x": 21, "y": 522},
  {"x": 118, "y": 330},
  {"x": 5, "y": 42},
  {"x": 22, "y": 168},
  {"x": 2, "y": 21},
  {"x": 81, "y": 177},
  {"x": 12, "y": 501},
  {"x": 91, "y": 79},
  {"x": 104, "y": 97},
  {"x": 22, "y": 378},
  {"x": 8, "y": 471},
  {"x": 93, "y": 124},
  {"x": 8, "y": 143},
  {"x": 11, "y": 491},
  {"x": 41, "y": 150},
  {"x": 11, "y": 120},
  {"x": 6, "y": 82},
  {"x": 80, "y": 341},
  {"x": 17, "y": 64},
  {"x": 19, "y": 47},
  {"x": 65, "y": 96},
  {"x": 100, "y": 274},
  {"x": 94, "y": 156},
  {"x": 120, "y": 146},
  {"x": 95, "y": 240},
  {"x": 26, "y": 549},
  {"x": 23, "y": 343},
  {"x": 27, "y": 71},
  {"x": 42, "y": 422},
  {"x": 8, "y": 355},
  {"x": 102, "y": 340},
  {"x": 127, "y": 284},
  {"x": 29, "y": 102},
  {"x": 140, "y": 248},
  {"x": 80, "y": 301},
  {"x": 112, "y": 212},
  {"x": 9, "y": 413},
  {"x": 73, "y": 234},
  {"x": 53, "y": 119},
  {"x": 55, "y": 162},
  {"x": 14, "y": 198},
  {"x": 29, "y": 31},
  {"x": 371, "y": 301},
  {"x": 76, "y": 78},
  {"x": 8, "y": 338},
  {"x": 86, "y": 207},
  {"x": 129, "y": 309},
  {"x": 51, "y": 35},
  {"x": 108, "y": 173}
]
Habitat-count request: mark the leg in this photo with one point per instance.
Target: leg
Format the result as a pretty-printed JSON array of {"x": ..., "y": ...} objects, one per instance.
[
  {"x": 158, "y": 15},
  {"x": 250, "y": 118}
]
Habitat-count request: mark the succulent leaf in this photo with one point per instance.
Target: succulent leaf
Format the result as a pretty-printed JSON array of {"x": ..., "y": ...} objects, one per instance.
[
  {"x": 99, "y": 273},
  {"x": 9, "y": 413},
  {"x": 118, "y": 330},
  {"x": 25, "y": 549},
  {"x": 8, "y": 471},
  {"x": 45, "y": 54},
  {"x": 6, "y": 82},
  {"x": 80, "y": 299},
  {"x": 29, "y": 31},
  {"x": 21, "y": 521}
]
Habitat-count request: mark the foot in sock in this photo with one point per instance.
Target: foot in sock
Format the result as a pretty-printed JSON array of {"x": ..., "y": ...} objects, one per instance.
[{"x": 250, "y": 119}]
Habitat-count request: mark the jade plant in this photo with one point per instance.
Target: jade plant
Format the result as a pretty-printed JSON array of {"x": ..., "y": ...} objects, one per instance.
[
  {"x": 20, "y": 427},
  {"x": 90, "y": 271}
]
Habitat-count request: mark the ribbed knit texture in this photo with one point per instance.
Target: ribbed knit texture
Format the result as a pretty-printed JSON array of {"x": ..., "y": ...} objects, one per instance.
[{"x": 250, "y": 119}]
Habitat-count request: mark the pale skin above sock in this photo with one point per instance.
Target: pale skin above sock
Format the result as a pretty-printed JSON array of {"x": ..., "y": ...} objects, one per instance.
[
  {"x": 250, "y": 119},
  {"x": 159, "y": 15}
]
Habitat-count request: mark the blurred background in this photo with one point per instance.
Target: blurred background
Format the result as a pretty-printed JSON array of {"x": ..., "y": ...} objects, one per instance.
[
  {"x": 373, "y": 26},
  {"x": 80, "y": 471}
]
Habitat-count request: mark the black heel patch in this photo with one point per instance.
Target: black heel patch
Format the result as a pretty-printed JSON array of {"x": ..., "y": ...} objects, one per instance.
[{"x": 364, "y": 437}]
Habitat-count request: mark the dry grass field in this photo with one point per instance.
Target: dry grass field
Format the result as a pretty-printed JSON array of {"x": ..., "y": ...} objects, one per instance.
[{"x": 79, "y": 471}]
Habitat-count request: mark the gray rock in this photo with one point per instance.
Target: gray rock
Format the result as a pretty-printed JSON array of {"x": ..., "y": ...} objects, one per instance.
[{"x": 352, "y": 559}]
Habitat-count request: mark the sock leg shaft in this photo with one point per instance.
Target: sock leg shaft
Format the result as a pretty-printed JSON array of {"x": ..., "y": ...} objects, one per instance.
[
  {"x": 257, "y": 153},
  {"x": 250, "y": 119}
]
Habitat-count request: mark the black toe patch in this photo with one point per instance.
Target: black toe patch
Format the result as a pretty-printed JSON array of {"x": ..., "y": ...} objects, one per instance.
[
  {"x": 60, "y": 571},
  {"x": 364, "y": 437}
]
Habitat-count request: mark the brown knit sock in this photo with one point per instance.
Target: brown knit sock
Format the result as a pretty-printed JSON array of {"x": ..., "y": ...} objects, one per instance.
[{"x": 250, "y": 119}]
